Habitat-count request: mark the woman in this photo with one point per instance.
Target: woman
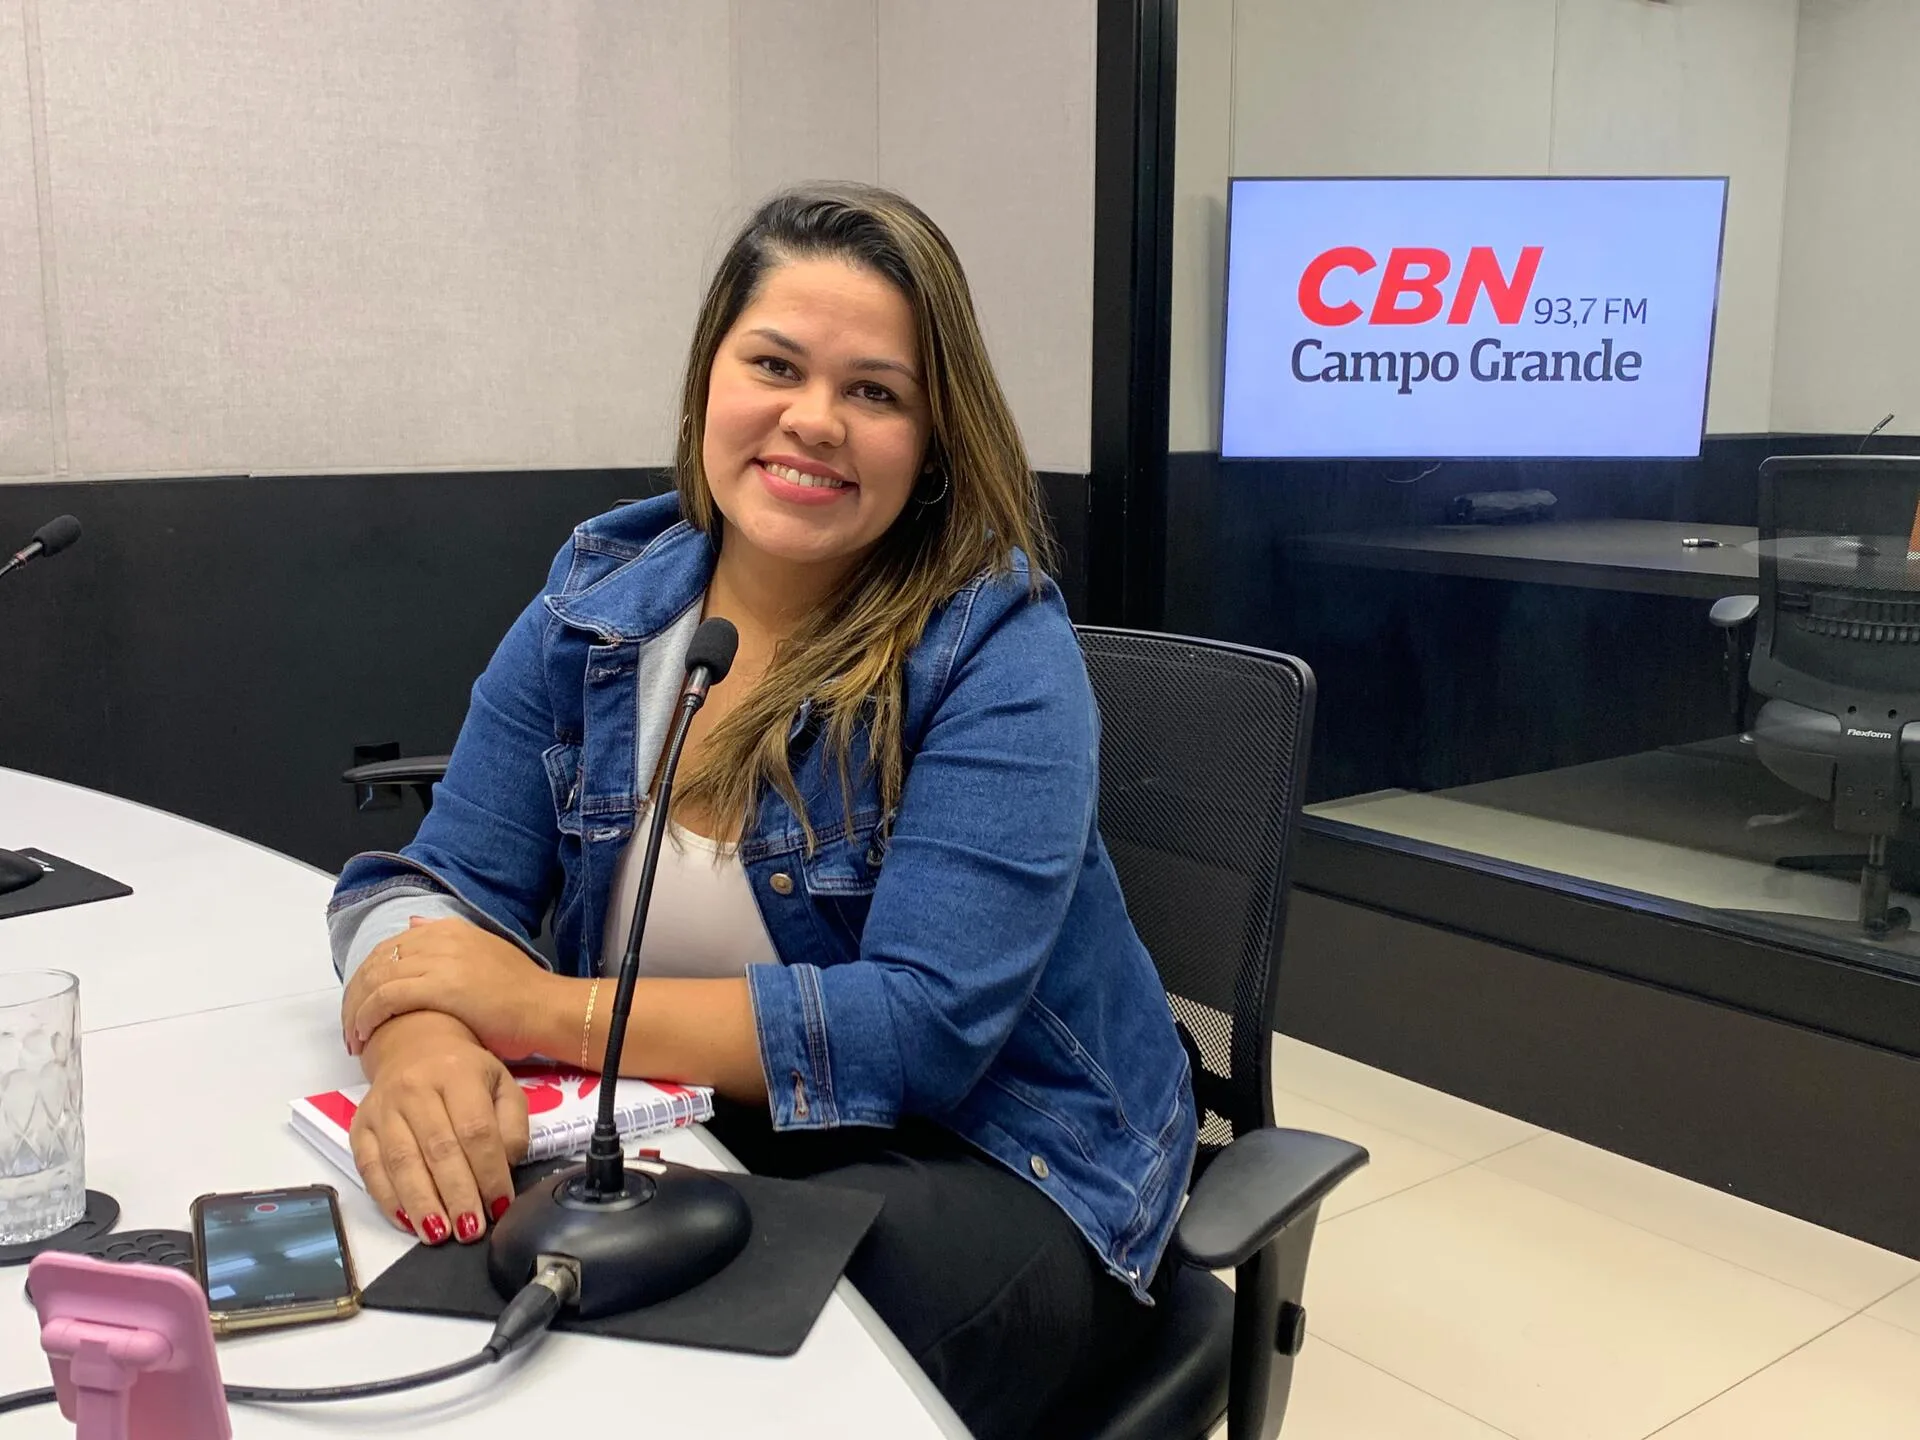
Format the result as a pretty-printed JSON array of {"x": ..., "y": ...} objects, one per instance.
[{"x": 885, "y": 930}]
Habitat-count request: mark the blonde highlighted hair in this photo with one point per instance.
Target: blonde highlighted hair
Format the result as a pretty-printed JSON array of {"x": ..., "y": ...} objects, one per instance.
[{"x": 982, "y": 503}]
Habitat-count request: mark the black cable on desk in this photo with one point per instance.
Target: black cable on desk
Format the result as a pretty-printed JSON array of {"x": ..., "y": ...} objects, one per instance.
[
  {"x": 26, "y": 1399},
  {"x": 367, "y": 1390},
  {"x": 528, "y": 1314}
]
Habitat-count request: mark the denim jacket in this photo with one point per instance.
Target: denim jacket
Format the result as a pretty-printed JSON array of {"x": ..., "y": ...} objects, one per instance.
[{"x": 967, "y": 958}]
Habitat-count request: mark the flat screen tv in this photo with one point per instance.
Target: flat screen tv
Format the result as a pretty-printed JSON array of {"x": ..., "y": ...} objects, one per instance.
[{"x": 1469, "y": 318}]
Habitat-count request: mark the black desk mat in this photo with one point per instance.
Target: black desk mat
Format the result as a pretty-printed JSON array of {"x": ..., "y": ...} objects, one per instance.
[
  {"x": 764, "y": 1303},
  {"x": 65, "y": 884}
]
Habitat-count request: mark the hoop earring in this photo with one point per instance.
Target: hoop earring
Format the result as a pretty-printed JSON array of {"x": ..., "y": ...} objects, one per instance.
[{"x": 946, "y": 484}]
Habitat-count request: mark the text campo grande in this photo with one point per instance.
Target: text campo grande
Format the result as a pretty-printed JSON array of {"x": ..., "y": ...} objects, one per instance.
[{"x": 1487, "y": 361}]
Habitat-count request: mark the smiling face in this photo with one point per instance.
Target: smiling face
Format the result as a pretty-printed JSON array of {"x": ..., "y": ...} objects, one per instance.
[{"x": 817, "y": 416}]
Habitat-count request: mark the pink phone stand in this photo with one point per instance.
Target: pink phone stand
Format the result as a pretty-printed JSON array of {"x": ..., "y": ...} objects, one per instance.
[{"x": 131, "y": 1349}]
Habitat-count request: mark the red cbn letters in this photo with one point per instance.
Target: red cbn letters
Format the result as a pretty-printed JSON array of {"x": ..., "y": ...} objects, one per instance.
[{"x": 1409, "y": 292}]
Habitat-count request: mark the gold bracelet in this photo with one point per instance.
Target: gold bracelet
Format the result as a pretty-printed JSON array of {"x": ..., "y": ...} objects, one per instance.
[{"x": 586, "y": 1025}]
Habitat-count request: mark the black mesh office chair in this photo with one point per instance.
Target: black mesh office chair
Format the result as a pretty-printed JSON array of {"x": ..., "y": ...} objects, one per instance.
[
  {"x": 1203, "y": 761},
  {"x": 1836, "y": 651}
]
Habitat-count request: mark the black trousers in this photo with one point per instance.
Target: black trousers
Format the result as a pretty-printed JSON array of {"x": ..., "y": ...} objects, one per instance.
[{"x": 985, "y": 1280}]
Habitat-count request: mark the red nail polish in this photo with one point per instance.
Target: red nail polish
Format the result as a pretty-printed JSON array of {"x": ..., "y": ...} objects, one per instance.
[
  {"x": 435, "y": 1229},
  {"x": 500, "y": 1207},
  {"x": 467, "y": 1227},
  {"x": 401, "y": 1216}
]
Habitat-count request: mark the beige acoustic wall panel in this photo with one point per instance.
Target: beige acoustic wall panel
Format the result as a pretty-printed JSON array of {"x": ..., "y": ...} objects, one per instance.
[
  {"x": 1848, "y": 347},
  {"x": 805, "y": 94},
  {"x": 1488, "y": 87},
  {"x": 986, "y": 120},
  {"x": 26, "y": 420},
  {"x": 1703, "y": 88},
  {"x": 1202, "y": 137},
  {"x": 380, "y": 234},
  {"x": 1385, "y": 87},
  {"x": 1367, "y": 87}
]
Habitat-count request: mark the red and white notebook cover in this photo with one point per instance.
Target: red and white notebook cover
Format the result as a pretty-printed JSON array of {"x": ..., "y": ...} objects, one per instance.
[{"x": 562, "y": 1104}]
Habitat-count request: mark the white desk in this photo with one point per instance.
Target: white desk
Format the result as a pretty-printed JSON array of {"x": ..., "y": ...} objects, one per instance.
[
  {"x": 1632, "y": 555},
  {"x": 213, "y": 920},
  {"x": 181, "y": 1103}
]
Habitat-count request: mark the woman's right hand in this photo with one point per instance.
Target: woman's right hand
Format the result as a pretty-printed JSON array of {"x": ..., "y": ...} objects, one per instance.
[{"x": 437, "y": 1132}]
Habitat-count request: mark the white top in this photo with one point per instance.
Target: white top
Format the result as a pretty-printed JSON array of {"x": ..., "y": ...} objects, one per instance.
[{"x": 703, "y": 923}]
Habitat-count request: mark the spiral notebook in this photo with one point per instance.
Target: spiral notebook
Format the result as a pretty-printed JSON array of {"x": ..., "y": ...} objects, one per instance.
[{"x": 562, "y": 1104}]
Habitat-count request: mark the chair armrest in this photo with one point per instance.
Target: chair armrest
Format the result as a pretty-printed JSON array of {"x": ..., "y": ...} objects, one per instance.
[
  {"x": 408, "y": 770},
  {"x": 1730, "y": 611},
  {"x": 1257, "y": 1187}
]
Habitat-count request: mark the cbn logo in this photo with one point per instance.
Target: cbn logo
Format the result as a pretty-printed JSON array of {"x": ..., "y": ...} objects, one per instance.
[{"x": 1415, "y": 273}]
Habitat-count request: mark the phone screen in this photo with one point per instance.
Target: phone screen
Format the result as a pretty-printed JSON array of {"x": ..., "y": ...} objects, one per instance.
[{"x": 271, "y": 1249}]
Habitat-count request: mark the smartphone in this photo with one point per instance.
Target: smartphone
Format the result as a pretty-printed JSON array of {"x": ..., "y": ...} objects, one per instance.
[{"x": 273, "y": 1257}]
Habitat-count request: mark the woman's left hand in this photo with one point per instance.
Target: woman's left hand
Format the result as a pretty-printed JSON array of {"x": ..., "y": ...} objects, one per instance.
[{"x": 458, "y": 969}]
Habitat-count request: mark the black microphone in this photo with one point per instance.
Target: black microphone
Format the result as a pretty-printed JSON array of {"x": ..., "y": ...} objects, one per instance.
[
  {"x": 637, "y": 1236},
  {"x": 50, "y": 539},
  {"x": 1885, "y": 420}
]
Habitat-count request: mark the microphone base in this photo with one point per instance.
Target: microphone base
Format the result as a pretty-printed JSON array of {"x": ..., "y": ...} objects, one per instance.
[
  {"x": 17, "y": 871},
  {"x": 670, "y": 1228}
]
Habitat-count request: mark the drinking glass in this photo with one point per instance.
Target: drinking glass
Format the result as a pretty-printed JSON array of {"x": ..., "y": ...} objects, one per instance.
[{"x": 43, "y": 1180}]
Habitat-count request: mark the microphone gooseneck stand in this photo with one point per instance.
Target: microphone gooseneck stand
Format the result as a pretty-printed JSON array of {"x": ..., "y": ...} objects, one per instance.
[
  {"x": 18, "y": 871},
  {"x": 635, "y": 1235}
]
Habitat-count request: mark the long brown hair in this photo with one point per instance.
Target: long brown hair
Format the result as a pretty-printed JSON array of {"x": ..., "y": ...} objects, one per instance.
[{"x": 981, "y": 503}]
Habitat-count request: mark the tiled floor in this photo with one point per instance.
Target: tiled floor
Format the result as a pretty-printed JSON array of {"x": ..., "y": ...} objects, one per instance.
[{"x": 1483, "y": 1278}]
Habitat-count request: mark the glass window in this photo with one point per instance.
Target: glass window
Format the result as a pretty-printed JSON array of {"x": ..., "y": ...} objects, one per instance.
[{"x": 1674, "y": 658}]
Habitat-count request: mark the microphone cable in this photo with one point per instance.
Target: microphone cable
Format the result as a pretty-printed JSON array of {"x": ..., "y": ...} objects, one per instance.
[{"x": 528, "y": 1315}]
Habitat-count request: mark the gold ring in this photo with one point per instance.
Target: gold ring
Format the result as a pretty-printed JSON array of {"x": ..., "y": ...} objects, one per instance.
[{"x": 395, "y": 956}]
